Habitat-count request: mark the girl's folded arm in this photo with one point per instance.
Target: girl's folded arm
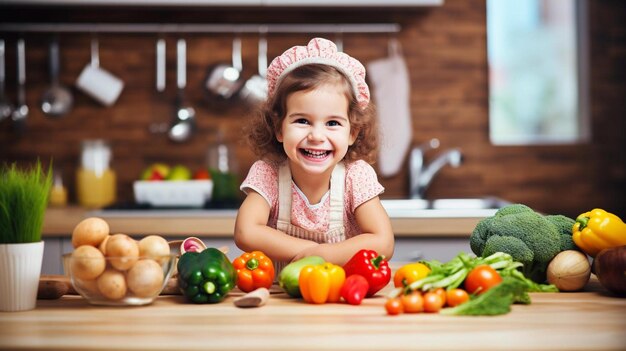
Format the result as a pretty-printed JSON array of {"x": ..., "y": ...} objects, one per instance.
[
  {"x": 253, "y": 233},
  {"x": 377, "y": 235}
]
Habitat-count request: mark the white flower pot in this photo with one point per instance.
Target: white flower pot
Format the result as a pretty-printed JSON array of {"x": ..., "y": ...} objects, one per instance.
[{"x": 20, "y": 268}]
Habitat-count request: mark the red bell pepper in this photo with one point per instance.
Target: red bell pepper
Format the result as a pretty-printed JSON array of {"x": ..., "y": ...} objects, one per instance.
[
  {"x": 354, "y": 289},
  {"x": 372, "y": 267}
]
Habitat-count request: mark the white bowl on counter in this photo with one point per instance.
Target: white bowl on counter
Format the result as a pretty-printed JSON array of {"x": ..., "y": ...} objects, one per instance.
[{"x": 172, "y": 193}]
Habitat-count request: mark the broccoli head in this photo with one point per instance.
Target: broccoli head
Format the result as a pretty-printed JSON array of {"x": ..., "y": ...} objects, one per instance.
[
  {"x": 564, "y": 225},
  {"x": 513, "y": 209},
  {"x": 527, "y": 236}
]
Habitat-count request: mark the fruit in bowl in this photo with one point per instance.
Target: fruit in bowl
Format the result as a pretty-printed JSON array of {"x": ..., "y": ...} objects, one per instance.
[
  {"x": 156, "y": 171},
  {"x": 118, "y": 270},
  {"x": 179, "y": 172}
]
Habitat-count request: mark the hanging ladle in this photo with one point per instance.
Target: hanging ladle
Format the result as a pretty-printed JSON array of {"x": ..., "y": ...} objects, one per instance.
[
  {"x": 20, "y": 114},
  {"x": 5, "y": 105},
  {"x": 57, "y": 100},
  {"x": 183, "y": 124},
  {"x": 254, "y": 90}
]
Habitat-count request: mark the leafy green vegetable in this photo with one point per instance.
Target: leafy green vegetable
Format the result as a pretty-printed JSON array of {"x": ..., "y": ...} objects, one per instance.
[
  {"x": 494, "y": 301},
  {"x": 452, "y": 274},
  {"x": 23, "y": 202}
]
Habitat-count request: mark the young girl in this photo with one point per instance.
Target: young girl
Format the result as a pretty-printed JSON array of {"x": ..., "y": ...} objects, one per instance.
[{"x": 312, "y": 193}]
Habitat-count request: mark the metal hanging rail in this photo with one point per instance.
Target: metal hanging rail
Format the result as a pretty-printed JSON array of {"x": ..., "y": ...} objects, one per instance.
[{"x": 198, "y": 28}]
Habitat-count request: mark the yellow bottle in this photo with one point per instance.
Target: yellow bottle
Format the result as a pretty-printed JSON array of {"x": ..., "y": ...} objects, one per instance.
[
  {"x": 95, "y": 181},
  {"x": 58, "y": 193}
]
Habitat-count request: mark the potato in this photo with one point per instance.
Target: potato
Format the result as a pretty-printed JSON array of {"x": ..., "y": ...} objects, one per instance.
[
  {"x": 154, "y": 246},
  {"x": 87, "y": 262},
  {"x": 88, "y": 286},
  {"x": 145, "y": 279},
  {"x": 122, "y": 251},
  {"x": 112, "y": 284},
  {"x": 103, "y": 245},
  {"x": 90, "y": 231}
]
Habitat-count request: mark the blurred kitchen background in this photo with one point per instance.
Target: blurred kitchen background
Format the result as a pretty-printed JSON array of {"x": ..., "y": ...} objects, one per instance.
[{"x": 444, "y": 44}]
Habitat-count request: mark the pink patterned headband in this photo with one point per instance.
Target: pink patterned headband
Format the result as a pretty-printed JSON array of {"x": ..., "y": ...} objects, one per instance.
[{"x": 319, "y": 51}]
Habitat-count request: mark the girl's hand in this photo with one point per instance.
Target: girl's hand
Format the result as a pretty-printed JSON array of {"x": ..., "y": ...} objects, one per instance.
[{"x": 314, "y": 250}]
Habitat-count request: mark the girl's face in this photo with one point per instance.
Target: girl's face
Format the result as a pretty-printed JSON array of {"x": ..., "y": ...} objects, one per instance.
[{"x": 316, "y": 130}]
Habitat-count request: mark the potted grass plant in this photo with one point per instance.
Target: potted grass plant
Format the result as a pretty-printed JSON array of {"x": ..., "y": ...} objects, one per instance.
[{"x": 23, "y": 202}]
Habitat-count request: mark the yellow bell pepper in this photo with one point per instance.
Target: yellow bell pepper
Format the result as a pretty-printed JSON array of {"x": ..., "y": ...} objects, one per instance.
[
  {"x": 597, "y": 230},
  {"x": 410, "y": 273},
  {"x": 321, "y": 283}
]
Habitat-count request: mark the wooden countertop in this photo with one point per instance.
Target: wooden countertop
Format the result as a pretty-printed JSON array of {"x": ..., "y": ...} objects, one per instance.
[
  {"x": 61, "y": 222},
  {"x": 590, "y": 320}
]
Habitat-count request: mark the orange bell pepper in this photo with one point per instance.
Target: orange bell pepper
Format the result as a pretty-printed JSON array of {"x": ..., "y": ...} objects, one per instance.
[
  {"x": 321, "y": 283},
  {"x": 254, "y": 270}
]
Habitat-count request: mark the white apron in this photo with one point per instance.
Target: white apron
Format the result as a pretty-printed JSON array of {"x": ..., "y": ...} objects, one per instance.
[{"x": 336, "y": 231}]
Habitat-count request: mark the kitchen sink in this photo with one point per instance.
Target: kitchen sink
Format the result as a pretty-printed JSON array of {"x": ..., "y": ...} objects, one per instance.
[{"x": 450, "y": 208}]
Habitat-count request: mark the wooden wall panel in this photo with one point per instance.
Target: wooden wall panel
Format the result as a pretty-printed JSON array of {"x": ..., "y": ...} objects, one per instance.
[{"x": 445, "y": 50}]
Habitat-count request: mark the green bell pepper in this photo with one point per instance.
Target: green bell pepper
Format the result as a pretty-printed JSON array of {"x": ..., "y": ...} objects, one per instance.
[{"x": 206, "y": 276}]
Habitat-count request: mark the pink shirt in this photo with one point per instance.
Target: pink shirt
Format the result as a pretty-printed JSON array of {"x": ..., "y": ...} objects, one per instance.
[{"x": 361, "y": 185}]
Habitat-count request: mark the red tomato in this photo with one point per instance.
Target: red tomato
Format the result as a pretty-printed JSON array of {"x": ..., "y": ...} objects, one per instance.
[
  {"x": 432, "y": 302},
  {"x": 394, "y": 306},
  {"x": 413, "y": 302},
  {"x": 442, "y": 293},
  {"x": 456, "y": 297},
  {"x": 202, "y": 174},
  {"x": 481, "y": 279}
]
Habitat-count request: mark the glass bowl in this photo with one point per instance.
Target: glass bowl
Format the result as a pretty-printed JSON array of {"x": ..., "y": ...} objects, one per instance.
[{"x": 119, "y": 281}]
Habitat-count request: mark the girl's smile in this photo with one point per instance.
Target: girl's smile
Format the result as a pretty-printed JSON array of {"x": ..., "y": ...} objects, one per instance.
[{"x": 316, "y": 131}]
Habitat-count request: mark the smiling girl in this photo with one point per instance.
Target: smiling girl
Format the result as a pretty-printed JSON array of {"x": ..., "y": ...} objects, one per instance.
[{"x": 312, "y": 192}]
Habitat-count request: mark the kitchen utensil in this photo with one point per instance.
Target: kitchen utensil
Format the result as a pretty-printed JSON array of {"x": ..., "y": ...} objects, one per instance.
[
  {"x": 5, "y": 105},
  {"x": 158, "y": 126},
  {"x": 223, "y": 80},
  {"x": 97, "y": 82},
  {"x": 57, "y": 100},
  {"x": 20, "y": 114},
  {"x": 184, "y": 120},
  {"x": 254, "y": 90},
  {"x": 390, "y": 81}
]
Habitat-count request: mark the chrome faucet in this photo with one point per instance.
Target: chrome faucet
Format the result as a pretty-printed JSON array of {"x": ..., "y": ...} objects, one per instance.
[{"x": 421, "y": 175}]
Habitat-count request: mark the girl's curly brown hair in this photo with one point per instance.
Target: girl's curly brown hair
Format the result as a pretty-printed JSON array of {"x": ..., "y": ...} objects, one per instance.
[{"x": 261, "y": 133}]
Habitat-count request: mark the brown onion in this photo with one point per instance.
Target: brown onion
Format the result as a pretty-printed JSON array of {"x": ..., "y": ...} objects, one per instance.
[{"x": 569, "y": 270}]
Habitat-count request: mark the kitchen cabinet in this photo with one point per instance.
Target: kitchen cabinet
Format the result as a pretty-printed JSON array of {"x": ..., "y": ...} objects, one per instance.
[
  {"x": 352, "y": 3},
  {"x": 233, "y": 3}
]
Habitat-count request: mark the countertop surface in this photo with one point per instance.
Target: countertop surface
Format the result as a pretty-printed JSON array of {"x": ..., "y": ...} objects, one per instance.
[
  {"x": 589, "y": 320},
  {"x": 220, "y": 223}
]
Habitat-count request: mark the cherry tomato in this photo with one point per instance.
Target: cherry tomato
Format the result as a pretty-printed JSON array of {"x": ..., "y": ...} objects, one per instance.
[
  {"x": 413, "y": 302},
  {"x": 394, "y": 306},
  {"x": 481, "y": 279},
  {"x": 455, "y": 297},
  {"x": 442, "y": 293},
  {"x": 432, "y": 302}
]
